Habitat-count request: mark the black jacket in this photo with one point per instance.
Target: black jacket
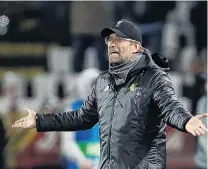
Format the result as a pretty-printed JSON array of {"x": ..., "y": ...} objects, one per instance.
[{"x": 132, "y": 116}]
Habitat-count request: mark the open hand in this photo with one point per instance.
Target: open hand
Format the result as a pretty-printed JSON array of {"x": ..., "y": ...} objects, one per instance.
[
  {"x": 195, "y": 125},
  {"x": 26, "y": 122}
]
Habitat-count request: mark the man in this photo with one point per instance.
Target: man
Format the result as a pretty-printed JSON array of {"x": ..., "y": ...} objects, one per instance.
[{"x": 132, "y": 102}]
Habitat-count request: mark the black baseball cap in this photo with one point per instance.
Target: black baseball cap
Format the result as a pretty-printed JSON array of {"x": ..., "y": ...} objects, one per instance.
[{"x": 124, "y": 29}]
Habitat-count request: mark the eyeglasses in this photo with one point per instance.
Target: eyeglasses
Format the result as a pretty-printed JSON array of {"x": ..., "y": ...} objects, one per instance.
[{"x": 118, "y": 39}]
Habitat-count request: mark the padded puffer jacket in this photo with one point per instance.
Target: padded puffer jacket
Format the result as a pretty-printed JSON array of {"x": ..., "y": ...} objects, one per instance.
[{"x": 132, "y": 110}]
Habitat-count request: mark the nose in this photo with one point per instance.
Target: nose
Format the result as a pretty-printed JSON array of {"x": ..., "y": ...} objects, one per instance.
[{"x": 112, "y": 44}]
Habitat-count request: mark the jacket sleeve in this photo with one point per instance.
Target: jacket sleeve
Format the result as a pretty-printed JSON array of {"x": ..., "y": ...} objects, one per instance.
[
  {"x": 84, "y": 118},
  {"x": 171, "y": 109}
]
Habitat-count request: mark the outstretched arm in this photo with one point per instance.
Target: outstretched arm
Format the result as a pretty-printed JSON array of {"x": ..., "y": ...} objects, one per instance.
[
  {"x": 172, "y": 111},
  {"x": 84, "y": 118}
]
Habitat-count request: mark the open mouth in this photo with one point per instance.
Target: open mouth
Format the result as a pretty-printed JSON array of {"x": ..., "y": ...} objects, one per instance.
[{"x": 113, "y": 52}]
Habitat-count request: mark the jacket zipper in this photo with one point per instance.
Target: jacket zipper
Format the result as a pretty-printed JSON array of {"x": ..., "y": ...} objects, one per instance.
[{"x": 109, "y": 146}]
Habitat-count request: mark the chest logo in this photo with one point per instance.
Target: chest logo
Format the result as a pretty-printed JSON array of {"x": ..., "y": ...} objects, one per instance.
[
  {"x": 106, "y": 88},
  {"x": 132, "y": 87}
]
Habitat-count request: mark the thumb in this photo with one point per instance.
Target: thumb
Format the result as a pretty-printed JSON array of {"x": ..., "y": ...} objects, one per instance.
[
  {"x": 203, "y": 116},
  {"x": 29, "y": 111}
]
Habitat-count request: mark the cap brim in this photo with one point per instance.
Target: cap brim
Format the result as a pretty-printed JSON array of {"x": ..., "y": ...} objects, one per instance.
[{"x": 108, "y": 31}]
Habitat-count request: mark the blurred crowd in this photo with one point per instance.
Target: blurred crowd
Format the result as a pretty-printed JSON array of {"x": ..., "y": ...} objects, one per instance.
[{"x": 47, "y": 46}]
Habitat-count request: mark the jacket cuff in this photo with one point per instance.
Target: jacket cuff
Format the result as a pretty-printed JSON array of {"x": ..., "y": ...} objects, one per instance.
[
  {"x": 41, "y": 122},
  {"x": 37, "y": 118}
]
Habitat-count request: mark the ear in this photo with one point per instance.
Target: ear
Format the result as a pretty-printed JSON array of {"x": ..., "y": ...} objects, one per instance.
[{"x": 137, "y": 47}]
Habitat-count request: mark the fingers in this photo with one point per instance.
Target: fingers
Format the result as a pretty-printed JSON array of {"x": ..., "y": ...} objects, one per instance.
[
  {"x": 29, "y": 111},
  {"x": 204, "y": 127},
  {"x": 200, "y": 132},
  {"x": 193, "y": 133},
  {"x": 20, "y": 120},
  {"x": 22, "y": 123},
  {"x": 203, "y": 115},
  {"x": 197, "y": 132},
  {"x": 18, "y": 124}
]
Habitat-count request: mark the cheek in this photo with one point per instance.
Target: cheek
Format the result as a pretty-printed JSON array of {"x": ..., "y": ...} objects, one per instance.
[
  {"x": 125, "y": 49},
  {"x": 121, "y": 49},
  {"x": 124, "y": 52}
]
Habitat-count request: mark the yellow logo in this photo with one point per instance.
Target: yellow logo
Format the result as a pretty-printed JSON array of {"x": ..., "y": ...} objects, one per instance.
[{"x": 132, "y": 87}]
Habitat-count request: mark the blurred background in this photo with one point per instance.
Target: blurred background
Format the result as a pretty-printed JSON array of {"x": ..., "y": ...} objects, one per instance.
[{"x": 47, "y": 47}]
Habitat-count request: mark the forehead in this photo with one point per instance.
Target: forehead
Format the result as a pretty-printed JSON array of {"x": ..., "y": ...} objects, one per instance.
[{"x": 113, "y": 35}]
